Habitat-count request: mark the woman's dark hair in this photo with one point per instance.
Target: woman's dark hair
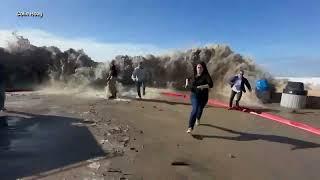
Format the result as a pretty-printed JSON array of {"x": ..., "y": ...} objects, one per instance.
[{"x": 204, "y": 67}]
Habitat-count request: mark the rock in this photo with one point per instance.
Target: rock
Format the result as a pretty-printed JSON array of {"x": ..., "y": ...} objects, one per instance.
[
  {"x": 132, "y": 148},
  {"x": 179, "y": 163},
  {"x": 125, "y": 140},
  {"x": 114, "y": 170},
  {"x": 231, "y": 155},
  {"x": 117, "y": 152},
  {"x": 141, "y": 132},
  {"x": 78, "y": 124},
  {"x": 117, "y": 129},
  {"x": 104, "y": 141},
  {"x": 94, "y": 124},
  {"x": 95, "y": 165}
]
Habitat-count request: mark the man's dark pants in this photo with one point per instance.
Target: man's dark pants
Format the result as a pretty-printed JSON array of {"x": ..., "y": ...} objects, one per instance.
[
  {"x": 233, "y": 93},
  {"x": 2, "y": 96},
  {"x": 139, "y": 84}
]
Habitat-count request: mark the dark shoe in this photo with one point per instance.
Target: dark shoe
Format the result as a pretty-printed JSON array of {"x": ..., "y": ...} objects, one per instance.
[
  {"x": 111, "y": 97},
  {"x": 230, "y": 108}
]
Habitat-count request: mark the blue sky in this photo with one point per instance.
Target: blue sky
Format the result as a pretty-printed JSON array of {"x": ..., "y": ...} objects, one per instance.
[{"x": 281, "y": 35}]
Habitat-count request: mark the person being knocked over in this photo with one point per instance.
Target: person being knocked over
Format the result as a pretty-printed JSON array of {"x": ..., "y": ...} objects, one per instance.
[{"x": 238, "y": 83}]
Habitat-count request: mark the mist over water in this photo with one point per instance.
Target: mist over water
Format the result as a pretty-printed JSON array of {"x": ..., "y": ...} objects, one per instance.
[{"x": 29, "y": 66}]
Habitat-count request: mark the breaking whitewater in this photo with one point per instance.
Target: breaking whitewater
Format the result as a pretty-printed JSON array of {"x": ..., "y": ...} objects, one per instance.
[{"x": 73, "y": 72}]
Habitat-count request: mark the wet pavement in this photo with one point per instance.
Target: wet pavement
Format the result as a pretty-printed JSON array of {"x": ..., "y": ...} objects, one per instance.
[{"x": 31, "y": 144}]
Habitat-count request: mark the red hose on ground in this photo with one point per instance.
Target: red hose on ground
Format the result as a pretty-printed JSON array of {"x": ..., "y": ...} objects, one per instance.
[{"x": 269, "y": 116}]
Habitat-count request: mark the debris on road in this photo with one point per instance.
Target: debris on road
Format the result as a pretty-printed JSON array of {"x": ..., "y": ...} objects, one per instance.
[
  {"x": 115, "y": 170},
  {"x": 104, "y": 141},
  {"x": 78, "y": 124},
  {"x": 95, "y": 165},
  {"x": 125, "y": 141},
  {"x": 179, "y": 163}
]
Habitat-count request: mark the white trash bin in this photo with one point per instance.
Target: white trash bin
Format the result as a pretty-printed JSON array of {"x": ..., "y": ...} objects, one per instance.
[
  {"x": 294, "y": 96},
  {"x": 293, "y": 101}
]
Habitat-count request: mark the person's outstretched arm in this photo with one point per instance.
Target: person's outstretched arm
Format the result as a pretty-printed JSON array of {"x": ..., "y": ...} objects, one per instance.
[
  {"x": 246, "y": 82},
  {"x": 188, "y": 84}
]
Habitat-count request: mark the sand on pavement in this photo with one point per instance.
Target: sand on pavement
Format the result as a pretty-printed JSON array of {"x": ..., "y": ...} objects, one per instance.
[{"x": 227, "y": 144}]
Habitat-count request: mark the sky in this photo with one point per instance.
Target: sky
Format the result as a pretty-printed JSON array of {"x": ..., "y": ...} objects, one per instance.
[{"x": 282, "y": 36}]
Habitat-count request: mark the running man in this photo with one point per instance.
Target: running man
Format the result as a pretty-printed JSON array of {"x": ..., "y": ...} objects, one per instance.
[
  {"x": 139, "y": 77},
  {"x": 238, "y": 83}
]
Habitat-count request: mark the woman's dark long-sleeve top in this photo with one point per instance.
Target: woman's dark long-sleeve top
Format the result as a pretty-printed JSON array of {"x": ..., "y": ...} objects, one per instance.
[{"x": 199, "y": 81}]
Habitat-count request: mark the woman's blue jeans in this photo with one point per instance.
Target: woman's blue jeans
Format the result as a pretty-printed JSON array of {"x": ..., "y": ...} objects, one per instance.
[{"x": 198, "y": 103}]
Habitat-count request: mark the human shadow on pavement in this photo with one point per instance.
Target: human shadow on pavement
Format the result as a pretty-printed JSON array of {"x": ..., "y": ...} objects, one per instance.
[
  {"x": 158, "y": 101},
  {"x": 298, "y": 144},
  {"x": 164, "y": 101},
  {"x": 261, "y": 110},
  {"x": 32, "y": 144},
  {"x": 169, "y": 102}
]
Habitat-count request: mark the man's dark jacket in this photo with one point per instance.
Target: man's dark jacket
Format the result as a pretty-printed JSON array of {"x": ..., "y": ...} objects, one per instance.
[{"x": 244, "y": 81}]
